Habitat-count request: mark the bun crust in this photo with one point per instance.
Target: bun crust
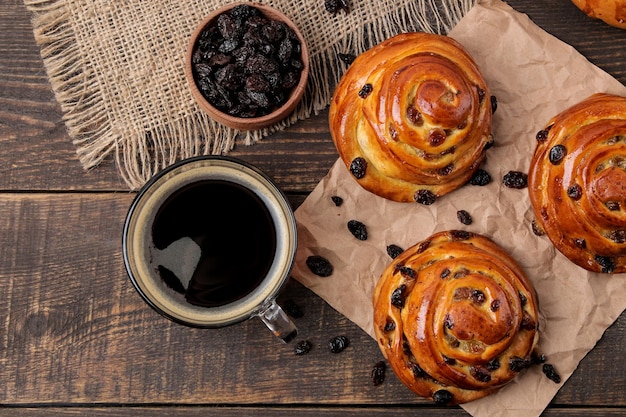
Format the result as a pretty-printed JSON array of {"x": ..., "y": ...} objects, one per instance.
[
  {"x": 577, "y": 183},
  {"x": 612, "y": 12},
  {"x": 412, "y": 117},
  {"x": 456, "y": 317}
]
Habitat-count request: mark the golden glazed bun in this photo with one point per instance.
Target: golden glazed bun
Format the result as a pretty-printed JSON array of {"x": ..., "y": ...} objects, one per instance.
[
  {"x": 612, "y": 12},
  {"x": 577, "y": 183},
  {"x": 411, "y": 117},
  {"x": 456, "y": 317}
]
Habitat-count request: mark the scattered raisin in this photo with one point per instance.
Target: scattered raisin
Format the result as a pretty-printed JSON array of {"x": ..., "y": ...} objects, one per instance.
[
  {"x": 378, "y": 373},
  {"x": 423, "y": 246},
  {"x": 515, "y": 179},
  {"x": 480, "y": 178},
  {"x": 460, "y": 235},
  {"x": 447, "y": 322},
  {"x": 464, "y": 217},
  {"x": 606, "y": 263},
  {"x": 542, "y": 135},
  {"x": 358, "y": 229},
  {"x": 493, "y": 364},
  {"x": 575, "y": 192},
  {"x": 522, "y": 298},
  {"x": 417, "y": 370},
  {"x": 394, "y": 251},
  {"x": 445, "y": 273},
  {"x": 347, "y": 58},
  {"x": 334, "y": 6},
  {"x": 338, "y": 344},
  {"x": 494, "y": 104},
  {"x": 398, "y": 296},
  {"x": 537, "y": 357},
  {"x": 478, "y": 297},
  {"x": 495, "y": 305},
  {"x": 449, "y": 361},
  {"x": 425, "y": 197},
  {"x": 527, "y": 322},
  {"x": 366, "y": 90},
  {"x": 293, "y": 309},
  {"x": 551, "y": 373},
  {"x": 408, "y": 273},
  {"x": 319, "y": 265},
  {"x": 337, "y": 200},
  {"x": 617, "y": 236},
  {"x": 557, "y": 153},
  {"x": 481, "y": 94},
  {"x": 302, "y": 347},
  {"x": 580, "y": 243},
  {"x": 447, "y": 170},
  {"x": 358, "y": 167},
  {"x": 442, "y": 397}
]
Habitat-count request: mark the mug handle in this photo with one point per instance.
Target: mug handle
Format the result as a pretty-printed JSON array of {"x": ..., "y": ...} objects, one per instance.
[{"x": 278, "y": 322}]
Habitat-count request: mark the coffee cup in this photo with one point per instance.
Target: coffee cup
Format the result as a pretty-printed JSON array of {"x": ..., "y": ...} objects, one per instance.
[{"x": 209, "y": 242}]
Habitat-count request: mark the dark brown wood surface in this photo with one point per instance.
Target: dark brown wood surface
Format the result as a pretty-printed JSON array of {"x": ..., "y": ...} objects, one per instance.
[{"x": 76, "y": 339}]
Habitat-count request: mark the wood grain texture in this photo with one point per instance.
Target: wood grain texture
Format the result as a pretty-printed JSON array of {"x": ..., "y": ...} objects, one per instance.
[{"x": 76, "y": 339}]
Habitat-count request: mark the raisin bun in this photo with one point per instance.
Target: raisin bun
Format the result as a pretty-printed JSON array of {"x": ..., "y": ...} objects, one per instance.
[
  {"x": 577, "y": 183},
  {"x": 612, "y": 12},
  {"x": 455, "y": 317},
  {"x": 411, "y": 117}
]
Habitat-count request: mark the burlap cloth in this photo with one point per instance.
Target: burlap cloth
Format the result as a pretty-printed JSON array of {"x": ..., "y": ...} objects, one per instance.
[{"x": 117, "y": 69}]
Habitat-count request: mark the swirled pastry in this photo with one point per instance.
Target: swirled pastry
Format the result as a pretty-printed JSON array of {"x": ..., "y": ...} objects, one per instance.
[
  {"x": 411, "y": 117},
  {"x": 577, "y": 183},
  {"x": 456, "y": 317}
]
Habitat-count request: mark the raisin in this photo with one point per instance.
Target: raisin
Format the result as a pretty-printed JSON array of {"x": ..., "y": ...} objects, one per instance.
[
  {"x": 517, "y": 364},
  {"x": 347, "y": 58},
  {"x": 334, "y": 6},
  {"x": 338, "y": 343},
  {"x": 442, "y": 397},
  {"x": 449, "y": 361},
  {"x": 394, "y": 251},
  {"x": 460, "y": 235},
  {"x": 480, "y": 178},
  {"x": 575, "y": 192},
  {"x": 414, "y": 116},
  {"x": 522, "y": 298},
  {"x": 480, "y": 373},
  {"x": 425, "y": 197},
  {"x": 606, "y": 263},
  {"x": 358, "y": 229},
  {"x": 515, "y": 179},
  {"x": 477, "y": 297},
  {"x": 366, "y": 90},
  {"x": 338, "y": 201},
  {"x": 445, "y": 273},
  {"x": 537, "y": 357},
  {"x": 293, "y": 309},
  {"x": 436, "y": 137},
  {"x": 408, "y": 273},
  {"x": 447, "y": 170},
  {"x": 423, "y": 246},
  {"x": 551, "y": 373},
  {"x": 398, "y": 296},
  {"x": 494, "y": 104},
  {"x": 542, "y": 135},
  {"x": 464, "y": 217},
  {"x": 389, "y": 326},
  {"x": 481, "y": 94},
  {"x": 378, "y": 373},
  {"x": 493, "y": 364},
  {"x": 613, "y": 205},
  {"x": 319, "y": 265},
  {"x": 618, "y": 236},
  {"x": 537, "y": 229},
  {"x": 557, "y": 153},
  {"x": 447, "y": 322},
  {"x": 417, "y": 370},
  {"x": 580, "y": 243},
  {"x": 358, "y": 167},
  {"x": 495, "y": 305},
  {"x": 527, "y": 322},
  {"x": 302, "y": 347}
]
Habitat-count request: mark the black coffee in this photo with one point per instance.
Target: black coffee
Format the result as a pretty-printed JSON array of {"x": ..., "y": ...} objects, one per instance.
[{"x": 235, "y": 232}]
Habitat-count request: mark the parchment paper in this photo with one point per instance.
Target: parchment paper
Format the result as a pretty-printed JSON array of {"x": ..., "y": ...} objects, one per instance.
[{"x": 534, "y": 76}]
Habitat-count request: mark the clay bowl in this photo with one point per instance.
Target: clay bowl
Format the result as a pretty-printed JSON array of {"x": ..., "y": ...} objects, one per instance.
[{"x": 256, "y": 122}]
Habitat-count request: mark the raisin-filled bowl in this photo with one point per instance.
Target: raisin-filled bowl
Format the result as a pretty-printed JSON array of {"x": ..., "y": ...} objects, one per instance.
[{"x": 247, "y": 65}]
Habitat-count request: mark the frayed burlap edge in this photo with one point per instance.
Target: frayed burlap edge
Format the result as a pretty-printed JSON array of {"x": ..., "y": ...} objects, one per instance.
[{"x": 143, "y": 153}]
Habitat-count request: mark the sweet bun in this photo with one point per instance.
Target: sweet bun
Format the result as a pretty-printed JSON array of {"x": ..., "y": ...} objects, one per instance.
[
  {"x": 411, "y": 117},
  {"x": 456, "y": 317},
  {"x": 577, "y": 183},
  {"x": 612, "y": 12}
]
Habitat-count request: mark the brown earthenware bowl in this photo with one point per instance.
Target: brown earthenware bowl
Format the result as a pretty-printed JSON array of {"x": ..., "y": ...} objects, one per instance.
[{"x": 247, "y": 123}]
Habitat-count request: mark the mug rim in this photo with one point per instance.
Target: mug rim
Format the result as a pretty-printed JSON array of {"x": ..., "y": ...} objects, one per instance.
[{"x": 250, "y": 304}]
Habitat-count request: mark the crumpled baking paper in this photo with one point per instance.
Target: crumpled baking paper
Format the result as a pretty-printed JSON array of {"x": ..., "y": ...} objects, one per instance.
[{"x": 534, "y": 76}]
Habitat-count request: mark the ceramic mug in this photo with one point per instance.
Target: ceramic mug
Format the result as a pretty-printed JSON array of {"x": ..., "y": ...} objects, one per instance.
[{"x": 209, "y": 242}]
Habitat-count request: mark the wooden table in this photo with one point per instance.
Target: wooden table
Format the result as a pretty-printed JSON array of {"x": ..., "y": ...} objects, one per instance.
[{"x": 75, "y": 338}]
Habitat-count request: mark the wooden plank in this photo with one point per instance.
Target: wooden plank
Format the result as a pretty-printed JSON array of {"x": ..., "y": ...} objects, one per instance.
[
  {"x": 75, "y": 331},
  {"x": 221, "y": 411}
]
